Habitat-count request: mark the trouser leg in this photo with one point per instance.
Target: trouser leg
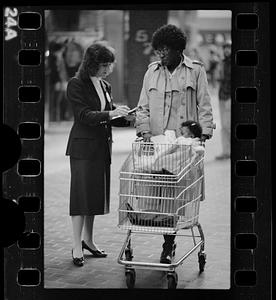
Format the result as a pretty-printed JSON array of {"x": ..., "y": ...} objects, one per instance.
[
  {"x": 168, "y": 247},
  {"x": 169, "y": 241}
]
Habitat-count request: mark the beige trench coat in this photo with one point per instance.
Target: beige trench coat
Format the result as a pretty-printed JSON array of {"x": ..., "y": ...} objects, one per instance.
[{"x": 194, "y": 95}]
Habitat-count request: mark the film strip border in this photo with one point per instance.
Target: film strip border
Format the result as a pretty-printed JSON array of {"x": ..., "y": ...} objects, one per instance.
[
  {"x": 251, "y": 219},
  {"x": 23, "y": 132}
]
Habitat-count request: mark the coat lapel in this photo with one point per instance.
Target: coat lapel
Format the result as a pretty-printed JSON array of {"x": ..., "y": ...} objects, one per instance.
[
  {"x": 108, "y": 99},
  {"x": 94, "y": 95}
]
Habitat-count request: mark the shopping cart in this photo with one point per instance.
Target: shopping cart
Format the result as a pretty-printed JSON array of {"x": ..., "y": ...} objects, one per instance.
[{"x": 161, "y": 186}]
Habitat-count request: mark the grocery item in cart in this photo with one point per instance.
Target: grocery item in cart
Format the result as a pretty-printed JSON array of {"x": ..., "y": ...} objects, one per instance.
[
  {"x": 150, "y": 219},
  {"x": 170, "y": 158}
]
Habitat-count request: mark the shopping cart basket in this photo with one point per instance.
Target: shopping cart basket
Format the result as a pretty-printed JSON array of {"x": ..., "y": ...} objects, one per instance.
[{"x": 161, "y": 186}]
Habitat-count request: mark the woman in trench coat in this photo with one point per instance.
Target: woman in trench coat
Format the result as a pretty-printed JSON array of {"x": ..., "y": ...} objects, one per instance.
[
  {"x": 89, "y": 145},
  {"x": 175, "y": 89}
]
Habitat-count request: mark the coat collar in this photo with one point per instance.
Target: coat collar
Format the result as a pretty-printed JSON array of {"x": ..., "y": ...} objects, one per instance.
[{"x": 185, "y": 61}]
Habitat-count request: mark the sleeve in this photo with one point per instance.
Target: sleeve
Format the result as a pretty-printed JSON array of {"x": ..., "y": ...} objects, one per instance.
[
  {"x": 83, "y": 112},
  {"x": 205, "y": 114},
  {"x": 142, "y": 123},
  {"x": 120, "y": 122}
]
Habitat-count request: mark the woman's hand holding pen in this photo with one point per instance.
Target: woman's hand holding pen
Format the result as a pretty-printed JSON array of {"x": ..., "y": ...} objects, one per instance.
[{"x": 119, "y": 111}]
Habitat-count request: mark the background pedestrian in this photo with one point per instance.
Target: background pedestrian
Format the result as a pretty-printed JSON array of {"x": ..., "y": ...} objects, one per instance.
[{"x": 225, "y": 101}]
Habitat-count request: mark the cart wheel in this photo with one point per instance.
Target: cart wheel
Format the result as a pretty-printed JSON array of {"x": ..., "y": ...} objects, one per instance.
[
  {"x": 128, "y": 254},
  {"x": 130, "y": 278},
  {"x": 201, "y": 261},
  {"x": 172, "y": 280}
]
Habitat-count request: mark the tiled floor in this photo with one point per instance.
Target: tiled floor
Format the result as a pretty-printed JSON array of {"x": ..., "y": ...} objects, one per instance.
[{"x": 106, "y": 273}]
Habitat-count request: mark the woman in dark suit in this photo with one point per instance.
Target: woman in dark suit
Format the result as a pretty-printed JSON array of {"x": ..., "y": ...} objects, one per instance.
[{"x": 89, "y": 145}]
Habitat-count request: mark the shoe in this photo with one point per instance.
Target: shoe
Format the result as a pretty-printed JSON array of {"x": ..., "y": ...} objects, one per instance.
[
  {"x": 223, "y": 156},
  {"x": 77, "y": 261},
  {"x": 96, "y": 253},
  {"x": 165, "y": 258},
  {"x": 167, "y": 255}
]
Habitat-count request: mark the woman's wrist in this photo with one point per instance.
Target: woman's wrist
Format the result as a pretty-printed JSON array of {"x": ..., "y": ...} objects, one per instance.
[{"x": 110, "y": 113}]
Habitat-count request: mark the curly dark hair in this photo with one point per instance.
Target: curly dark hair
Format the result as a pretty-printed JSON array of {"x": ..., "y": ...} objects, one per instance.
[
  {"x": 170, "y": 36},
  {"x": 194, "y": 127},
  {"x": 96, "y": 54}
]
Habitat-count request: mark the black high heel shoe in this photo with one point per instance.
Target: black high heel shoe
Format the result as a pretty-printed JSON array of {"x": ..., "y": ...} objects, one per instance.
[
  {"x": 77, "y": 261},
  {"x": 96, "y": 253}
]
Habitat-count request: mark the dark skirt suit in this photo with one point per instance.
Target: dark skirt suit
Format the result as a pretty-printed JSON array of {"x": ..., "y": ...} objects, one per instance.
[{"x": 89, "y": 147}]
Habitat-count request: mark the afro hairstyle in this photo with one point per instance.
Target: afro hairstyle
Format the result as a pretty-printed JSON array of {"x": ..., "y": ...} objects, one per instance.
[{"x": 170, "y": 36}]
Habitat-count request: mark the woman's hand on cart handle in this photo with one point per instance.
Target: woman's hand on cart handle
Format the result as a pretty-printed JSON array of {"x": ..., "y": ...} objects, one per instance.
[
  {"x": 204, "y": 137},
  {"x": 146, "y": 136}
]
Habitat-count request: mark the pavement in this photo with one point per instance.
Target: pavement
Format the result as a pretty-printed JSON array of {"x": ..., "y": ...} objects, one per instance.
[{"x": 106, "y": 273}]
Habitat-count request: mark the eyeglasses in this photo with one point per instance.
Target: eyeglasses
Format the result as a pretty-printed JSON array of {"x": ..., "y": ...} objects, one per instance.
[
  {"x": 164, "y": 51},
  {"x": 106, "y": 65}
]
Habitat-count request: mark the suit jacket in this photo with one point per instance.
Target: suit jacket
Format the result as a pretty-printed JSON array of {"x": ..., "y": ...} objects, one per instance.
[{"x": 90, "y": 137}]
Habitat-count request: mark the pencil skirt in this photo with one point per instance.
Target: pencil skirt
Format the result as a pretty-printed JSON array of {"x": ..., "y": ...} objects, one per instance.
[{"x": 90, "y": 187}]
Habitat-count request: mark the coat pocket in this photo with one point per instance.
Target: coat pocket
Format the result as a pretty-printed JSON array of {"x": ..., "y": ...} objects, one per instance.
[
  {"x": 84, "y": 148},
  {"x": 190, "y": 85},
  {"x": 155, "y": 96},
  {"x": 187, "y": 92}
]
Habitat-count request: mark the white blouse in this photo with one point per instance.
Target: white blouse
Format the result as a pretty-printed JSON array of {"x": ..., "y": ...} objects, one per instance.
[{"x": 97, "y": 84}]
